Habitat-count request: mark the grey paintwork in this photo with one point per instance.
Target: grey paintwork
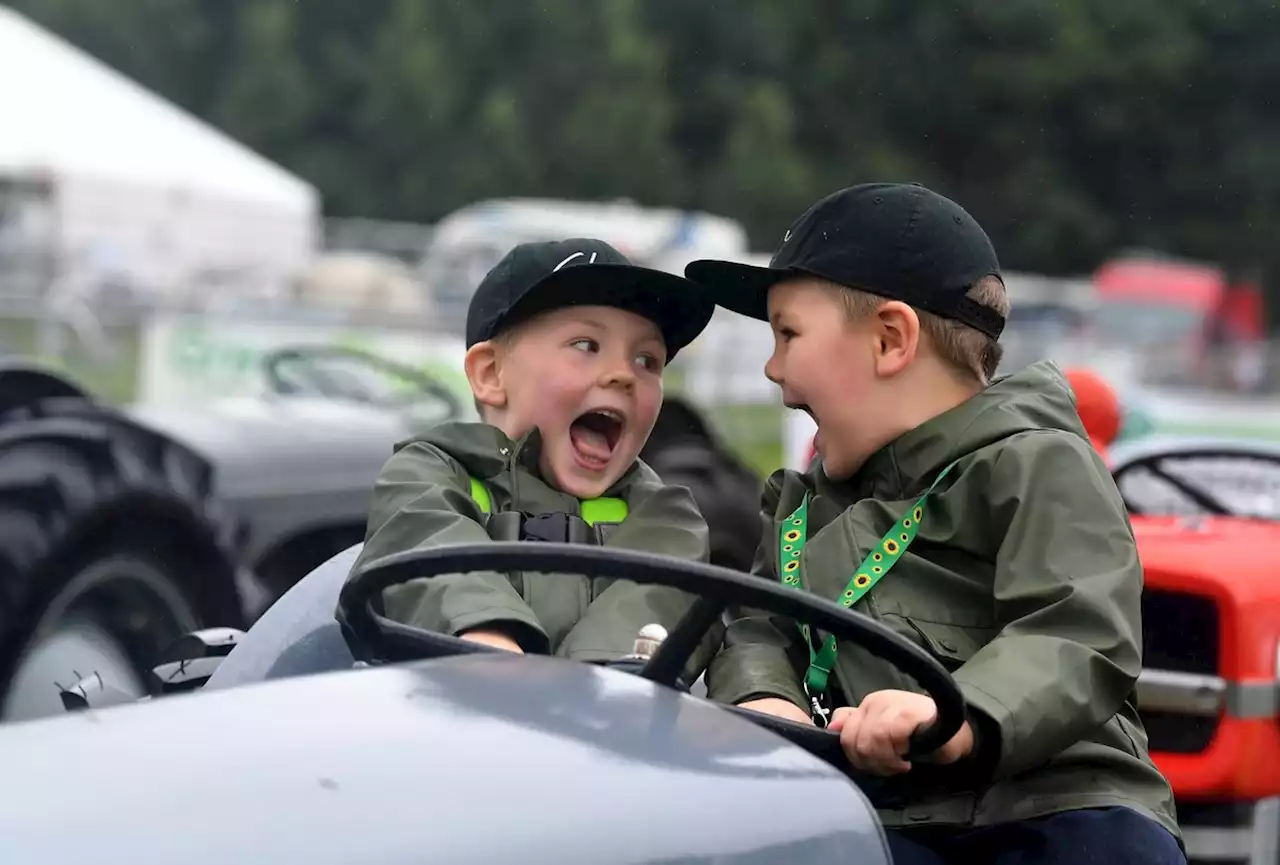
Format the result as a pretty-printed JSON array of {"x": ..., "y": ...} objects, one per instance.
[
  {"x": 300, "y": 456},
  {"x": 476, "y": 759},
  {"x": 298, "y": 635},
  {"x": 286, "y": 464}
]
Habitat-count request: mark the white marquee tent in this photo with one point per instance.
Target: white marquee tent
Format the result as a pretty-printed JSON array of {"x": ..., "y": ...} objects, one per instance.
[{"x": 138, "y": 177}]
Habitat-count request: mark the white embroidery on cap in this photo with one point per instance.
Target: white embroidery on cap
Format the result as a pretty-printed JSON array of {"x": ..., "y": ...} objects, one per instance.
[{"x": 591, "y": 260}]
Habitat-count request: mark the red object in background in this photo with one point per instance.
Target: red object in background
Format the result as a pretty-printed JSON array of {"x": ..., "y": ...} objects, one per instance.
[
  {"x": 1231, "y": 310},
  {"x": 1240, "y": 312},
  {"x": 1230, "y": 562},
  {"x": 1099, "y": 407},
  {"x": 1177, "y": 283}
]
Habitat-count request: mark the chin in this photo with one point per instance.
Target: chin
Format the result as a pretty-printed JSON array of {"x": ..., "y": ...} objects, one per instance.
[
  {"x": 581, "y": 484},
  {"x": 581, "y": 488},
  {"x": 836, "y": 469}
]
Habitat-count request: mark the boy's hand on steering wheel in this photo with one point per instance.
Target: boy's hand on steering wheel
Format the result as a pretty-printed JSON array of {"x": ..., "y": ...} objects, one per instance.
[
  {"x": 876, "y": 734},
  {"x": 779, "y": 708},
  {"x": 492, "y": 638}
]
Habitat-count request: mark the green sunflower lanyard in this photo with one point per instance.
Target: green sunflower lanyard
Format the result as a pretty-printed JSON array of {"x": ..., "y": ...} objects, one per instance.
[{"x": 792, "y": 535}]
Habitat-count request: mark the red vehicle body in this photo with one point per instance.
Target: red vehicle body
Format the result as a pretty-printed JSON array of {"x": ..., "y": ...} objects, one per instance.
[
  {"x": 1184, "y": 311},
  {"x": 1230, "y": 565},
  {"x": 1209, "y": 692}
]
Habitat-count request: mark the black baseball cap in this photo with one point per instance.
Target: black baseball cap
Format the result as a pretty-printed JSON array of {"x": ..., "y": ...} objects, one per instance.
[
  {"x": 538, "y": 277},
  {"x": 896, "y": 240}
]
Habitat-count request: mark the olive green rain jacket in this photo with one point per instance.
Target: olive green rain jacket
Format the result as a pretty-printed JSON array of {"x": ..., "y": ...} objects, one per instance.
[
  {"x": 1023, "y": 580},
  {"x": 423, "y": 498}
]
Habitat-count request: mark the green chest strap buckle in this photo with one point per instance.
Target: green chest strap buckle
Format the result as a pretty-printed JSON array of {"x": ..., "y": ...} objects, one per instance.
[
  {"x": 792, "y": 535},
  {"x": 602, "y": 510}
]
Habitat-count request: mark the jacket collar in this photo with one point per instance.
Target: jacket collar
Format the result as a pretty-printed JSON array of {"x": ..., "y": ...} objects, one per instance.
[{"x": 1036, "y": 397}]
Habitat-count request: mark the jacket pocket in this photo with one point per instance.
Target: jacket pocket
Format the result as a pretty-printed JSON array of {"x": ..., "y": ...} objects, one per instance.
[{"x": 952, "y": 645}]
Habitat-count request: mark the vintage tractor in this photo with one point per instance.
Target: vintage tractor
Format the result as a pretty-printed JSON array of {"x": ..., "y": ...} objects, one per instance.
[{"x": 112, "y": 545}]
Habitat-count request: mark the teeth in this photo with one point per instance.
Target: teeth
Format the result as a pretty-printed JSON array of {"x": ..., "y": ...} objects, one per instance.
[{"x": 611, "y": 414}]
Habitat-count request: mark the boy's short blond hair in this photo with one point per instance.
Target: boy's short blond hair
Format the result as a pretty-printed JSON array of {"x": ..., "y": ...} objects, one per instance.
[{"x": 969, "y": 352}]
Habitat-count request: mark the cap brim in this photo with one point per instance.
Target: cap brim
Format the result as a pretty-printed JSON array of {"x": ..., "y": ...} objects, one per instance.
[
  {"x": 742, "y": 288},
  {"x": 677, "y": 306}
]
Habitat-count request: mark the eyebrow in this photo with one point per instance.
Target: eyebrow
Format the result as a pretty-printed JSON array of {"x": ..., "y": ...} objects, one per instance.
[{"x": 656, "y": 336}]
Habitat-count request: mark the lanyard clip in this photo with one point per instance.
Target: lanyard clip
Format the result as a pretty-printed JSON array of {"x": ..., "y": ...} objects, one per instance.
[{"x": 818, "y": 709}]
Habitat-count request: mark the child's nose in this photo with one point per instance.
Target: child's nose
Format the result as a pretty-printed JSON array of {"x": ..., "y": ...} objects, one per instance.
[
  {"x": 773, "y": 369},
  {"x": 619, "y": 374}
]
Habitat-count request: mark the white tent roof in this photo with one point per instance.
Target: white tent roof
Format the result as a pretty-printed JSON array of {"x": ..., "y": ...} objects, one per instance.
[{"x": 65, "y": 112}]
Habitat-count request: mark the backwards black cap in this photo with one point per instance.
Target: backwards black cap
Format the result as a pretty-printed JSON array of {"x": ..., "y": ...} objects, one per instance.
[
  {"x": 896, "y": 240},
  {"x": 538, "y": 277}
]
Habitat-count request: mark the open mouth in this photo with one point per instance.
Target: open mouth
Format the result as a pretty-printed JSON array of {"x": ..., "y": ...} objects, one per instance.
[
  {"x": 799, "y": 406},
  {"x": 595, "y": 436}
]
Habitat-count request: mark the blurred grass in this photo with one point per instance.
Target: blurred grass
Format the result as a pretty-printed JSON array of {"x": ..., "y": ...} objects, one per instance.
[
  {"x": 1267, "y": 432},
  {"x": 754, "y": 432},
  {"x": 113, "y": 379}
]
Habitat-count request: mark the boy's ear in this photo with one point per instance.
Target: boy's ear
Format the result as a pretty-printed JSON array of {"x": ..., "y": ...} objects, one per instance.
[
  {"x": 897, "y": 333},
  {"x": 483, "y": 365}
]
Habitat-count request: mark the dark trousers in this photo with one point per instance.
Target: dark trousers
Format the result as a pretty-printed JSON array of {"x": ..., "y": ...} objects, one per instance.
[{"x": 1094, "y": 836}]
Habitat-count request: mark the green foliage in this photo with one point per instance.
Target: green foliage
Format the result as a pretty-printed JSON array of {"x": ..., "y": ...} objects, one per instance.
[{"x": 1070, "y": 129}]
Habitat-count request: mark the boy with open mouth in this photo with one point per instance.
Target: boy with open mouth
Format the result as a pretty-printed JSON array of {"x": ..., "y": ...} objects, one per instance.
[
  {"x": 567, "y": 344},
  {"x": 969, "y": 513}
]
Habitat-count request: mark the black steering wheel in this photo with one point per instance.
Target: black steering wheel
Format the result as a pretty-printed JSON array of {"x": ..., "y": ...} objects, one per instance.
[{"x": 374, "y": 638}]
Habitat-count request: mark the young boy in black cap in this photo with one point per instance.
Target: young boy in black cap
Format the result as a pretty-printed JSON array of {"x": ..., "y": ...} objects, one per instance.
[
  {"x": 971, "y": 516},
  {"x": 567, "y": 343}
]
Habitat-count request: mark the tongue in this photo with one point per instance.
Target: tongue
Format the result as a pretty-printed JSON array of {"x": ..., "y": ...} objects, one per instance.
[{"x": 592, "y": 444}]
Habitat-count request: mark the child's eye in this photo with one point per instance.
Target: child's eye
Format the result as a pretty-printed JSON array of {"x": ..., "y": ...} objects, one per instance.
[
  {"x": 588, "y": 345},
  {"x": 786, "y": 334},
  {"x": 649, "y": 362}
]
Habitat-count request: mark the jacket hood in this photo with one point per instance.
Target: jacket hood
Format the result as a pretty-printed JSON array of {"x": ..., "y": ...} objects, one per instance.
[
  {"x": 1037, "y": 397},
  {"x": 484, "y": 451}
]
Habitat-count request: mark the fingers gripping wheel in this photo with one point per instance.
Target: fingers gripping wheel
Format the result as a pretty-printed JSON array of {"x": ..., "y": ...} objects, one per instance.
[{"x": 373, "y": 637}]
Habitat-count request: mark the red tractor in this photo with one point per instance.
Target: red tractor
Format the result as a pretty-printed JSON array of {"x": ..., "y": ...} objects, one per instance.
[{"x": 1204, "y": 513}]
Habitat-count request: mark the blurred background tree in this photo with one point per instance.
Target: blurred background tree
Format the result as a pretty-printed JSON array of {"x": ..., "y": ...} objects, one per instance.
[{"x": 1071, "y": 130}]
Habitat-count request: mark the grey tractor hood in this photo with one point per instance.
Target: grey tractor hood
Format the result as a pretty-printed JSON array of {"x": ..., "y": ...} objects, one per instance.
[{"x": 283, "y": 446}]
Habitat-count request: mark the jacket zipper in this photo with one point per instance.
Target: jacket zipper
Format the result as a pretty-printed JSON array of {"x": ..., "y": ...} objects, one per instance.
[{"x": 514, "y": 504}]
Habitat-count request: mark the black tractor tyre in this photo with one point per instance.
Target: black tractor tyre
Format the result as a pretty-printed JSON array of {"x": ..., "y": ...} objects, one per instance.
[{"x": 109, "y": 534}]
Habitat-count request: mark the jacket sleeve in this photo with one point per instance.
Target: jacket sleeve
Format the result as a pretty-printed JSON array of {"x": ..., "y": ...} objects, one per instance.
[
  {"x": 758, "y": 658},
  {"x": 664, "y": 520},
  {"x": 422, "y": 499},
  {"x": 1068, "y": 586}
]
